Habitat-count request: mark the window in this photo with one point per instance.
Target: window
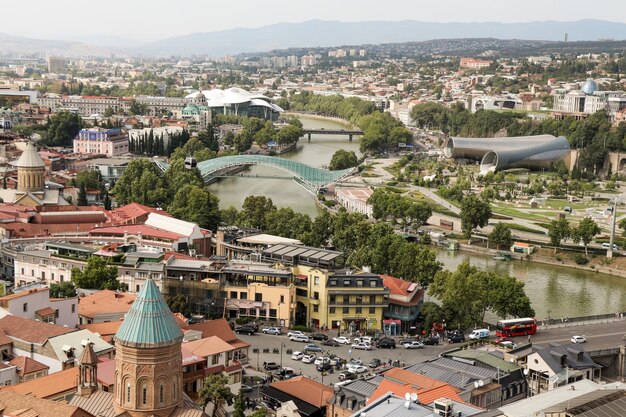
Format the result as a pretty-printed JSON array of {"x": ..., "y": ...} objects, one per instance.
[
  {"x": 243, "y": 295},
  {"x": 258, "y": 297},
  {"x": 359, "y": 299},
  {"x": 359, "y": 310},
  {"x": 333, "y": 298},
  {"x": 52, "y": 276},
  {"x": 346, "y": 282},
  {"x": 22, "y": 271},
  {"x": 316, "y": 295},
  {"x": 175, "y": 388},
  {"x": 144, "y": 393},
  {"x": 372, "y": 310},
  {"x": 346, "y": 310},
  {"x": 282, "y": 299},
  {"x": 32, "y": 272},
  {"x": 331, "y": 310},
  {"x": 233, "y": 294},
  {"x": 56, "y": 313},
  {"x": 25, "y": 307},
  {"x": 272, "y": 312},
  {"x": 359, "y": 283},
  {"x": 373, "y": 283},
  {"x": 332, "y": 283},
  {"x": 316, "y": 308},
  {"x": 161, "y": 392},
  {"x": 73, "y": 308},
  {"x": 61, "y": 278},
  {"x": 215, "y": 359},
  {"x": 128, "y": 393},
  {"x": 316, "y": 281},
  {"x": 346, "y": 299}
]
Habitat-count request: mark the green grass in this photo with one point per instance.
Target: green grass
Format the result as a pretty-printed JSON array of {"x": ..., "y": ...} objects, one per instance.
[
  {"x": 512, "y": 212},
  {"x": 523, "y": 228}
]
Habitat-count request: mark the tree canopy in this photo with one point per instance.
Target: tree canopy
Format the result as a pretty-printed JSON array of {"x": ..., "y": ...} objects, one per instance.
[
  {"x": 501, "y": 235},
  {"x": 343, "y": 159},
  {"x": 215, "y": 391},
  {"x": 475, "y": 212},
  {"x": 196, "y": 204},
  {"x": 96, "y": 275},
  {"x": 63, "y": 127},
  {"x": 586, "y": 230},
  {"x": 558, "y": 230}
]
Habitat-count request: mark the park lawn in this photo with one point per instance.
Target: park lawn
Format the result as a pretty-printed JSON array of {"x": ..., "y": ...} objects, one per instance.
[
  {"x": 527, "y": 215},
  {"x": 577, "y": 205},
  {"x": 523, "y": 228}
]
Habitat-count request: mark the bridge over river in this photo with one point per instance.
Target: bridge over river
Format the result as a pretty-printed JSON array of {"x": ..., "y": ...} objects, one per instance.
[
  {"x": 349, "y": 133},
  {"x": 311, "y": 178}
]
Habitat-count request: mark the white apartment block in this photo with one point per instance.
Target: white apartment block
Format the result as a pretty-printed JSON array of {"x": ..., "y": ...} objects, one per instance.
[
  {"x": 355, "y": 199},
  {"x": 36, "y": 304}
]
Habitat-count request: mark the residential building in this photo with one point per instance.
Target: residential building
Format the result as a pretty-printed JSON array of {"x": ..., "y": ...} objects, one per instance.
[
  {"x": 104, "y": 306},
  {"x": 390, "y": 405},
  {"x": 14, "y": 404},
  {"x": 62, "y": 351},
  {"x": 28, "y": 337},
  {"x": 473, "y": 63},
  {"x": 222, "y": 330},
  {"x": 99, "y": 141},
  {"x": 36, "y": 304},
  {"x": 310, "y": 397},
  {"x": 28, "y": 368},
  {"x": 405, "y": 300},
  {"x": 557, "y": 365}
]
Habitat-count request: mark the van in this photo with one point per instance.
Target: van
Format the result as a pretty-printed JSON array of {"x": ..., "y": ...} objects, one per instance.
[
  {"x": 479, "y": 334},
  {"x": 606, "y": 245}
]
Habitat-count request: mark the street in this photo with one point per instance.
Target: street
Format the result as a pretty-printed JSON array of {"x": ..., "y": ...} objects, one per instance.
[{"x": 600, "y": 335}]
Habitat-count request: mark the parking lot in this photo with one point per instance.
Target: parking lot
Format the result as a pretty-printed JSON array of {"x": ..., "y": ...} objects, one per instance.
[{"x": 263, "y": 341}]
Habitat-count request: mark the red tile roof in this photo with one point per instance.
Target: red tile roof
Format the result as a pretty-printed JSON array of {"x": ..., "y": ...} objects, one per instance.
[
  {"x": 306, "y": 389},
  {"x": 105, "y": 302},
  {"x": 31, "y": 330},
  {"x": 26, "y": 365},
  {"x": 130, "y": 212},
  {"x": 134, "y": 229},
  {"x": 425, "y": 396}
]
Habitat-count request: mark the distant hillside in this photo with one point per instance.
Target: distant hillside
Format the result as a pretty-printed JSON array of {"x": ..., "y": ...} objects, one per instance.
[
  {"x": 17, "y": 45},
  {"x": 331, "y": 33}
]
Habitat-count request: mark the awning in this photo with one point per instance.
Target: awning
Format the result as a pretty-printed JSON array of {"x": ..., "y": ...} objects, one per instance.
[{"x": 392, "y": 321}]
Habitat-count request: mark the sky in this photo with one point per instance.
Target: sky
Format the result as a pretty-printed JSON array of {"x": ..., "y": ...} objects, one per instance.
[{"x": 145, "y": 20}]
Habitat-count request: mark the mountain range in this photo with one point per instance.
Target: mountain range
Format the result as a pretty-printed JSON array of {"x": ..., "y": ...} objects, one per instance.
[{"x": 318, "y": 33}]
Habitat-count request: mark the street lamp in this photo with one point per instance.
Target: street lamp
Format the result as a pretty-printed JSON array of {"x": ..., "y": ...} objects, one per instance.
[{"x": 281, "y": 354}]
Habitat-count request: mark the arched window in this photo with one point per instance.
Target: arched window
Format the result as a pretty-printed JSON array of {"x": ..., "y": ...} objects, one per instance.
[
  {"x": 161, "y": 393},
  {"x": 175, "y": 390},
  {"x": 128, "y": 392},
  {"x": 144, "y": 394}
]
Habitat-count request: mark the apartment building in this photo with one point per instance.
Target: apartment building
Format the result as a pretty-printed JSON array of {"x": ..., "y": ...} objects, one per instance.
[
  {"x": 36, "y": 304},
  {"x": 99, "y": 141}
]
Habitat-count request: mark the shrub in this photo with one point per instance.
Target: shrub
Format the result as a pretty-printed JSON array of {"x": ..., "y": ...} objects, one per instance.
[
  {"x": 330, "y": 203},
  {"x": 581, "y": 259}
]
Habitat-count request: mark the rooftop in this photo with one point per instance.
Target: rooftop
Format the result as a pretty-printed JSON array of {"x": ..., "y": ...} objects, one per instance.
[
  {"x": 30, "y": 330},
  {"x": 105, "y": 302}
]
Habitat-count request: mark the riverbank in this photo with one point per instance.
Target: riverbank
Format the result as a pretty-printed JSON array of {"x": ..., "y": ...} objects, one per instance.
[{"x": 320, "y": 117}]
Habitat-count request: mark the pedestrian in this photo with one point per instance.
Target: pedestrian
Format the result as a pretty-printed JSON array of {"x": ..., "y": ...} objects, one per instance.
[{"x": 528, "y": 338}]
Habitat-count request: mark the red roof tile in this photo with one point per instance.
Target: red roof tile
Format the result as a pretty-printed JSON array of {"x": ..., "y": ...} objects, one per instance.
[
  {"x": 26, "y": 365},
  {"x": 306, "y": 389},
  {"x": 31, "y": 330}
]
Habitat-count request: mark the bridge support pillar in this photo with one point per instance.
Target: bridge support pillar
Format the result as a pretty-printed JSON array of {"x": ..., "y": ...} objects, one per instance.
[
  {"x": 350, "y": 137},
  {"x": 309, "y": 137}
]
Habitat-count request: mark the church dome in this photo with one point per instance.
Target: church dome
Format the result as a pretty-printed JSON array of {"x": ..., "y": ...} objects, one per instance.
[
  {"x": 590, "y": 87},
  {"x": 30, "y": 158}
]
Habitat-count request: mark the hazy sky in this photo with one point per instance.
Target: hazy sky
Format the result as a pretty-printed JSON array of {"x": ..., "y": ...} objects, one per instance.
[{"x": 155, "y": 19}]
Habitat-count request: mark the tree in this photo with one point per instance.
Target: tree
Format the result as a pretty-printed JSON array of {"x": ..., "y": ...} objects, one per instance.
[
  {"x": 558, "y": 230},
  {"x": 430, "y": 313},
  {"x": 475, "y": 212},
  {"x": 63, "y": 128},
  {"x": 97, "y": 275},
  {"x": 178, "y": 304},
  {"x": 63, "y": 290},
  {"x": 215, "y": 391},
  {"x": 196, "y": 204},
  {"x": 229, "y": 216},
  {"x": 501, "y": 235},
  {"x": 138, "y": 108},
  {"x": 254, "y": 211},
  {"x": 343, "y": 159},
  {"x": 142, "y": 183},
  {"x": 622, "y": 225},
  {"x": 239, "y": 406},
  {"x": 109, "y": 112},
  {"x": 82, "y": 196},
  {"x": 586, "y": 230}
]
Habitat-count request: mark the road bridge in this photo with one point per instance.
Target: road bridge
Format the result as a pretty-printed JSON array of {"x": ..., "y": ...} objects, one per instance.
[{"x": 349, "y": 133}]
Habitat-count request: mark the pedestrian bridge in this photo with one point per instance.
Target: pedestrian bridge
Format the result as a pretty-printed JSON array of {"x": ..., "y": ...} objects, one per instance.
[{"x": 311, "y": 177}]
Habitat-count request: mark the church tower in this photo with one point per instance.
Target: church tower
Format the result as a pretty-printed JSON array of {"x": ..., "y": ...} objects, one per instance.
[
  {"x": 148, "y": 361},
  {"x": 88, "y": 371},
  {"x": 30, "y": 170}
]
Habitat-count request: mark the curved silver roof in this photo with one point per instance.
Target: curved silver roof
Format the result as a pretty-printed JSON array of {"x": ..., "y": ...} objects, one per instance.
[{"x": 589, "y": 87}]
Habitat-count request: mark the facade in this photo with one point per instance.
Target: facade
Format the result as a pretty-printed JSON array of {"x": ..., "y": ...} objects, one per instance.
[
  {"x": 99, "y": 141},
  {"x": 405, "y": 300},
  {"x": 474, "y": 63},
  {"x": 35, "y": 304},
  {"x": 588, "y": 100},
  {"x": 355, "y": 200},
  {"x": 239, "y": 102},
  {"x": 104, "y": 306}
]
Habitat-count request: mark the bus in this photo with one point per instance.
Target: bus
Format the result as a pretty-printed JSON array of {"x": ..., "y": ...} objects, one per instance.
[{"x": 516, "y": 327}]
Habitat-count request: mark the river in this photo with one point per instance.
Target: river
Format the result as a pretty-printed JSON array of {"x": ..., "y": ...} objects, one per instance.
[
  {"x": 284, "y": 191},
  {"x": 554, "y": 291}
]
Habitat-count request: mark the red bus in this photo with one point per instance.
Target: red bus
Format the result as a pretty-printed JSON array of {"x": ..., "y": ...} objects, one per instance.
[{"x": 516, "y": 327}]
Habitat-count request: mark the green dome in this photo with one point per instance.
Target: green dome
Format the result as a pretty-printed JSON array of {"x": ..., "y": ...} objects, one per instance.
[{"x": 149, "y": 322}]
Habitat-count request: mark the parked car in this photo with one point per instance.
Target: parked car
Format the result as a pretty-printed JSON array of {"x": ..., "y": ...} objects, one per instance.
[
  {"x": 357, "y": 369},
  {"x": 432, "y": 341},
  {"x": 299, "y": 338},
  {"x": 578, "y": 339},
  {"x": 245, "y": 329},
  {"x": 364, "y": 339},
  {"x": 456, "y": 337},
  {"x": 414, "y": 345},
  {"x": 246, "y": 388},
  {"x": 323, "y": 367},
  {"x": 284, "y": 373},
  {"x": 347, "y": 376},
  {"x": 336, "y": 361},
  {"x": 297, "y": 356},
  {"x": 354, "y": 362},
  {"x": 295, "y": 333},
  {"x": 342, "y": 340},
  {"x": 312, "y": 348},
  {"x": 508, "y": 344},
  {"x": 375, "y": 363},
  {"x": 362, "y": 346},
  {"x": 308, "y": 359},
  {"x": 321, "y": 359},
  {"x": 407, "y": 340},
  {"x": 503, "y": 339},
  {"x": 479, "y": 334},
  {"x": 330, "y": 342},
  {"x": 318, "y": 336},
  {"x": 271, "y": 366},
  {"x": 272, "y": 330},
  {"x": 386, "y": 343}
]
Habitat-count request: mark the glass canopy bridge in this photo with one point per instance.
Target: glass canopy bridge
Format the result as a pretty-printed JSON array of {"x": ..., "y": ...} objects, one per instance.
[{"x": 311, "y": 178}]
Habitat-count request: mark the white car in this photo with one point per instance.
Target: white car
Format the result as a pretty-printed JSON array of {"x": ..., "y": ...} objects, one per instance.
[
  {"x": 413, "y": 345},
  {"x": 272, "y": 330},
  {"x": 362, "y": 346},
  {"x": 297, "y": 356},
  {"x": 295, "y": 333},
  {"x": 308, "y": 359},
  {"x": 298, "y": 338},
  {"x": 357, "y": 369},
  {"x": 363, "y": 339},
  {"x": 578, "y": 339},
  {"x": 342, "y": 340},
  {"x": 321, "y": 359}
]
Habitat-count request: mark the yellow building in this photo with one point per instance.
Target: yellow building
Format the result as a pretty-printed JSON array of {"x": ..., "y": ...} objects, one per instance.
[
  {"x": 342, "y": 299},
  {"x": 257, "y": 291}
]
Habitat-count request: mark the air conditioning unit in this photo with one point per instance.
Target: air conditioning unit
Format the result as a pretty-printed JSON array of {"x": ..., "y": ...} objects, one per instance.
[{"x": 443, "y": 407}]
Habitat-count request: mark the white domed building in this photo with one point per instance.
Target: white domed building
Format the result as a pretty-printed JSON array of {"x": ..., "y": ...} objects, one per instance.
[{"x": 239, "y": 102}]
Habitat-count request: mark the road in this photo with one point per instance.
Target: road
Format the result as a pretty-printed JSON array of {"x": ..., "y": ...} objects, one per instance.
[{"x": 599, "y": 335}]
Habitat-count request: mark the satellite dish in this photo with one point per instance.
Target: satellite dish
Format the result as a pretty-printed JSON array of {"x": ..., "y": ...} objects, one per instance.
[
  {"x": 481, "y": 383},
  {"x": 407, "y": 396},
  {"x": 413, "y": 396},
  {"x": 525, "y": 371},
  {"x": 475, "y": 384}
]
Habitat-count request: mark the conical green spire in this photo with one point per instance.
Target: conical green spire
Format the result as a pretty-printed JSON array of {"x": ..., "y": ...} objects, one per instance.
[{"x": 149, "y": 322}]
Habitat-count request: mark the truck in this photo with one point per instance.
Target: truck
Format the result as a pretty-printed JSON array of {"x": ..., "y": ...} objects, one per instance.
[{"x": 479, "y": 334}]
